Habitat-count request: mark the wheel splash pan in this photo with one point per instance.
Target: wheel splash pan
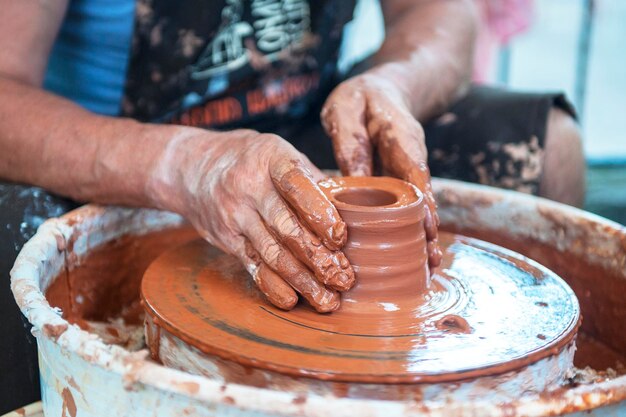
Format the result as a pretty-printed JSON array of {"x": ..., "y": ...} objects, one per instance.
[{"x": 81, "y": 375}]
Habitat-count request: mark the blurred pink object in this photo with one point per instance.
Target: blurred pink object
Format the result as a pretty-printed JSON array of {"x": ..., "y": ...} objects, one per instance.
[{"x": 500, "y": 21}]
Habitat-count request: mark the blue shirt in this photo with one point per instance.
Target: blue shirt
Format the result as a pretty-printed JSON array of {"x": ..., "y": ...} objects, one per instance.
[{"x": 90, "y": 57}]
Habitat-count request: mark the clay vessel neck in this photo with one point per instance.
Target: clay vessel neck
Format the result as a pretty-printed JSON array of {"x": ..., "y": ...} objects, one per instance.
[{"x": 386, "y": 240}]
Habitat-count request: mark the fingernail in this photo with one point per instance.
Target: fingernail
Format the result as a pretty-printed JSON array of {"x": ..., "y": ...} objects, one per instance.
[
  {"x": 340, "y": 274},
  {"x": 343, "y": 261},
  {"x": 332, "y": 304},
  {"x": 289, "y": 302},
  {"x": 342, "y": 281},
  {"x": 281, "y": 299},
  {"x": 337, "y": 235}
]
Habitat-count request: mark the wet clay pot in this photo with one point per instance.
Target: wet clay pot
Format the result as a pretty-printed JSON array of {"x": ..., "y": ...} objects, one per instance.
[
  {"x": 386, "y": 240},
  {"x": 79, "y": 369}
]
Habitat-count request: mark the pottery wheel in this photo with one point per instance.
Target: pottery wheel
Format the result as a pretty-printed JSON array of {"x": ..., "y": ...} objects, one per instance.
[{"x": 488, "y": 310}]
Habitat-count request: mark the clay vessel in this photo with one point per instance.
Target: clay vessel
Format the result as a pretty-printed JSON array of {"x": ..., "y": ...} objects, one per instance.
[{"x": 386, "y": 240}]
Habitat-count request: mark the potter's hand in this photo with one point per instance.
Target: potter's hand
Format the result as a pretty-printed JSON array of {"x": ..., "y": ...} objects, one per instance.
[
  {"x": 368, "y": 113},
  {"x": 255, "y": 196}
]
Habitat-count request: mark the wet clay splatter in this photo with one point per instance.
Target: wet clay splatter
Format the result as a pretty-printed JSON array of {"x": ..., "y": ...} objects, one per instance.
[{"x": 69, "y": 405}]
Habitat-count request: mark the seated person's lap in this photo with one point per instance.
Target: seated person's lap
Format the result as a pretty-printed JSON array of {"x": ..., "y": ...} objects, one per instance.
[{"x": 495, "y": 137}]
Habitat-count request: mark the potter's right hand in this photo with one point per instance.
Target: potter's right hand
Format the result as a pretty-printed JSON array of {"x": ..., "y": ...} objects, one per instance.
[{"x": 255, "y": 196}]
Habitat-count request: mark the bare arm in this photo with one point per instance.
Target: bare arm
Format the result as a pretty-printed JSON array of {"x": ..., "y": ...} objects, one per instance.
[
  {"x": 250, "y": 194},
  {"x": 424, "y": 63},
  {"x": 428, "y": 51},
  {"x": 48, "y": 141}
]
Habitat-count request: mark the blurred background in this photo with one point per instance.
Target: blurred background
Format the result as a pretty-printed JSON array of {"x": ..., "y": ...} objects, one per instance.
[{"x": 576, "y": 46}]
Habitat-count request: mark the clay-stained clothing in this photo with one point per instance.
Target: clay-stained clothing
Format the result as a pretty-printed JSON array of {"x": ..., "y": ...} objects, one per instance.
[{"x": 207, "y": 63}]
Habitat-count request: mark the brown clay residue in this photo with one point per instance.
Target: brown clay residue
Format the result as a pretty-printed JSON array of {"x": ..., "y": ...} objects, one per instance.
[
  {"x": 341, "y": 390},
  {"x": 453, "y": 323},
  {"x": 54, "y": 331},
  {"x": 448, "y": 198},
  {"x": 190, "y": 388},
  {"x": 72, "y": 382},
  {"x": 105, "y": 285},
  {"x": 21, "y": 411},
  {"x": 153, "y": 337},
  {"x": 190, "y": 411},
  {"x": 587, "y": 376},
  {"x": 133, "y": 363},
  {"x": 69, "y": 405},
  {"x": 580, "y": 230},
  {"x": 299, "y": 399},
  {"x": 116, "y": 332}
]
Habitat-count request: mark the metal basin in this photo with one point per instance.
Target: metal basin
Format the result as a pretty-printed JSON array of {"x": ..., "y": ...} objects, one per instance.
[{"x": 83, "y": 376}]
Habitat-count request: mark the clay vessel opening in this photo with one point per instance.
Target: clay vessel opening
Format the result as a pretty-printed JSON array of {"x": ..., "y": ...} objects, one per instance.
[{"x": 366, "y": 197}]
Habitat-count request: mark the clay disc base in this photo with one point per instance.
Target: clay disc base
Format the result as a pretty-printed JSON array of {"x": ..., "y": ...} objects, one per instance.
[{"x": 488, "y": 311}]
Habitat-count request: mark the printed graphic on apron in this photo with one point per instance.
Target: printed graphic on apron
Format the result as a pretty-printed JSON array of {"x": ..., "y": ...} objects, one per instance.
[{"x": 224, "y": 63}]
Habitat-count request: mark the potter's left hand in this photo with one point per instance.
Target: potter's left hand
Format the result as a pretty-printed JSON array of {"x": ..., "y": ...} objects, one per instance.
[{"x": 368, "y": 113}]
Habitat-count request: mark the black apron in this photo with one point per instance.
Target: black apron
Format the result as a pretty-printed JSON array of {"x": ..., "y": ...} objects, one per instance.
[{"x": 233, "y": 63}]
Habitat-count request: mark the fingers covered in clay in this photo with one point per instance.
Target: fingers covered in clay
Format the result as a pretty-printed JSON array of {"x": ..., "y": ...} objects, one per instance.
[
  {"x": 277, "y": 291},
  {"x": 343, "y": 118},
  {"x": 403, "y": 153},
  {"x": 296, "y": 185},
  {"x": 315, "y": 173},
  {"x": 331, "y": 268},
  {"x": 221, "y": 183},
  {"x": 292, "y": 271},
  {"x": 366, "y": 113}
]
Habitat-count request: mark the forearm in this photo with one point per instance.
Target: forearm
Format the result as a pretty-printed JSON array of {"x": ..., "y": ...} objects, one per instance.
[
  {"x": 50, "y": 142},
  {"x": 428, "y": 51}
]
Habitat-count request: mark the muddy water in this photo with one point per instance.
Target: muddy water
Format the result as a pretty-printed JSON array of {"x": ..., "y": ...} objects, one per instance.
[{"x": 101, "y": 293}]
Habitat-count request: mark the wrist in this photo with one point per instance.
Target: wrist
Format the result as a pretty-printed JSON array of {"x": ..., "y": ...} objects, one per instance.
[
  {"x": 183, "y": 162},
  {"x": 165, "y": 177}
]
